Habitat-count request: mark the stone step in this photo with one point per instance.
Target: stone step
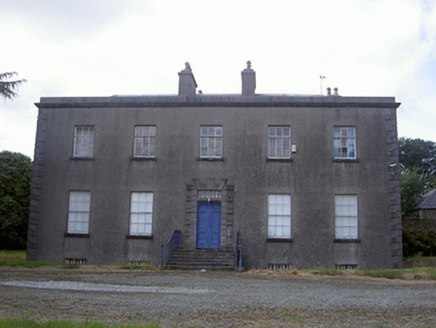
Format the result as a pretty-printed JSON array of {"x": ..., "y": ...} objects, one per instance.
[{"x": 197, "y": 259}]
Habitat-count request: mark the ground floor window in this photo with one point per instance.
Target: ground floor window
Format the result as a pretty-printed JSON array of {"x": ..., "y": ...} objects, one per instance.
[
  {"x": 78, "y": 212},
  {"x": 279, "y": 216},
  {"x": 346, "y": 216},
  {"x": 141, "y": 214}
]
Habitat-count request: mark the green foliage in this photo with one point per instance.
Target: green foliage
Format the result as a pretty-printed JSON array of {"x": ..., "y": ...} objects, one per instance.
[
  {"x": 23, "y": 322},
  {"x": 418, "y": 171},
  {"x": 417, "y": 241},
  {"x": 412, "y": 189},
  {"x": 416, "y": 273},
  {"x": 419, "y": 156},
  {"x": 12, "y": 256},
  {"x": 409, "y": 274},
  {"x": 7, "y": 88},
  {"x": 15, "y": 174},
  {"x": 420, "y": 262},
  {"x": 17, "y": 258}
]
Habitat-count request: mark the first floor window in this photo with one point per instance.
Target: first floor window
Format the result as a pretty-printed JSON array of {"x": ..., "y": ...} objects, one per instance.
[
  {"x": 346, "y": 216},
  {"x": 279, "y": 142},
  {"x": 78, "y": 212},
  {"x": 279, "y": 216},
  {"x": 345, "y": 142},
  {"x": 141, "y": 214},
  {"x": 83, "y": 141},
  {"x": 211, "y": 141},
  {"x": 145, "y": 141}
]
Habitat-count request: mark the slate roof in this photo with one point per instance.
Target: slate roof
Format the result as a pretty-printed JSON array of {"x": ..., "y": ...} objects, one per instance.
[{"x": 428, "y": 201}]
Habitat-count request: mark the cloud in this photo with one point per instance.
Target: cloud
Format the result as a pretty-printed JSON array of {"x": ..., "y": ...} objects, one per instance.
[
  {"x": 67, "y": 19},
  {"x": 106, "y": 47}
]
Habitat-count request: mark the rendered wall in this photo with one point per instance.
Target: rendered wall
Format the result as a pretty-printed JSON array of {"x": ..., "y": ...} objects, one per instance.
[{"x": 245, "y": 174}]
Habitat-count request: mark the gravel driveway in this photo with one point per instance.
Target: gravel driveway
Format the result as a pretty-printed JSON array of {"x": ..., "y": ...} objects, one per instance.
[{"x": 212, "y": 299}]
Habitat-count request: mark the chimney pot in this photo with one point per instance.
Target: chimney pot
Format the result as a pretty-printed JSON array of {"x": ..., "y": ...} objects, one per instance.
[
  {"x": 336, "y": 91},
  {"x": 329, "y": 91}
]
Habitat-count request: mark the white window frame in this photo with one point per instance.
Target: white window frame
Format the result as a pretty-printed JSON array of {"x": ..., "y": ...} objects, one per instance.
[
  {"x": 79, "y": 212},
  {"x": 144, "y": 144},
  {"x": 211, "y": 141},
  {"x": 83, "y": 141},
  {"x": 141, "y": 214},
  {"x": 346, "y": 216},
  {"x": 279, "y": 142},
  {"x": 344, "y": 142},
  {"x": 279, "y": 216}
]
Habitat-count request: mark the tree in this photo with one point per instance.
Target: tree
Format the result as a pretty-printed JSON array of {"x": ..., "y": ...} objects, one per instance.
[
  {"x": 15, "y": 172},
  {"x": 7, "y": 88},
  {"x": 418, "y": 170},
  {"x": 419, "y": 155},
  {"x": 412, "y": 188}
]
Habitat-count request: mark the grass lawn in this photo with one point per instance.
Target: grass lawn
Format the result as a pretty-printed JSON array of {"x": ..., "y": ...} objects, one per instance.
[
  {"x": 416, "y": 268},
  {"x": 18, "y": 259},
  {"x": 21, "y": 323}
]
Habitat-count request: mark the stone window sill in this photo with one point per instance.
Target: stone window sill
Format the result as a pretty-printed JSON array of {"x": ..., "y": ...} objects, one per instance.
[
  {"x": 279, "y": 240},
  {"x": 77, "y": 235},
  {"x": 82, "y": 158},
  {"x": 210, "y": 159},
  {"x": 348, "y": 240},
  {"x": 345, "y": 160},
  {"x": 145, "y": 159},
  {"x": 278, "y": 160},
  {"x": 139, "y": 237}
]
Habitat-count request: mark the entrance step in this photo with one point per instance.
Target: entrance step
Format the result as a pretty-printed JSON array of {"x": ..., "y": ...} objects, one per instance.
[{"x": 198, "y": 259}]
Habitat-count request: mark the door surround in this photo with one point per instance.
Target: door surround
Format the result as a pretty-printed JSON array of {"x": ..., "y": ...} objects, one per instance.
[{"x": 215, "y": 190}]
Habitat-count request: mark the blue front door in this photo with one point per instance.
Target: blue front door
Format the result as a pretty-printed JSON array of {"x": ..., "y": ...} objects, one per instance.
[{"x": 209, "y": 225}]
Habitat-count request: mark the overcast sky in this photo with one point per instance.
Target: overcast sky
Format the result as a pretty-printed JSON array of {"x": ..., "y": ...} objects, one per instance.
[{"x": 137, "y": 47}]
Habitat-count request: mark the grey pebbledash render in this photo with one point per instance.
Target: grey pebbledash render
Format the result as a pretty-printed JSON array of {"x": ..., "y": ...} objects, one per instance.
[{"x": 303, "y": 181}]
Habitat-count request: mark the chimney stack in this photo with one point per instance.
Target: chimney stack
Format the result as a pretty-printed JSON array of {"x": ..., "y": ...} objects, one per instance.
[
  {"x": 248, "y": 80},
  {"x": 187, "y": 84}
]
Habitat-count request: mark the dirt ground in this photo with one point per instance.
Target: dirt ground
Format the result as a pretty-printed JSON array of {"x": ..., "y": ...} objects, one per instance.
[{"x": 214, "y": 299}]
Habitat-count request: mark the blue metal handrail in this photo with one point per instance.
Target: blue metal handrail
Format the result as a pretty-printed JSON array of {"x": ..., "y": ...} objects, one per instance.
[
  {"x": 238, "y": 252},
  {"x": 173, "y": 243}
]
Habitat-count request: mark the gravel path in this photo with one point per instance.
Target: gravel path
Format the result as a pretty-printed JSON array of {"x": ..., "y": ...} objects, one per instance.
[{"x": 188, "y": 299}]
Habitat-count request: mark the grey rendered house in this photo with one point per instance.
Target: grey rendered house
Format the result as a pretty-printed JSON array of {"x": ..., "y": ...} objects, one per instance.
[{"x": 303, "y": 181}]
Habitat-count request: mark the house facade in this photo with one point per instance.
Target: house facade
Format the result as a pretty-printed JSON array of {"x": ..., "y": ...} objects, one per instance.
[{"x": 304, "y": 181}]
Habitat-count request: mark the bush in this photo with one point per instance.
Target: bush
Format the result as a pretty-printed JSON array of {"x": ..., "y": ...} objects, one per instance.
[{"x": 419, "y": 241}]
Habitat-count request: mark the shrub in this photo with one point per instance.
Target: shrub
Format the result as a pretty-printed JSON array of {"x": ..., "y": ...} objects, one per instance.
[{"x": 419, "y": 241}]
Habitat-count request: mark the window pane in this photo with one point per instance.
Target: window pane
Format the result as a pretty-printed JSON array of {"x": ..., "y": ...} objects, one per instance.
[
  {"x": 83, "y": 141},
  {"x": 211, "y": 141},
  {"x": 141, "y": 213},
  {"x": 78, "y": 212},
  {"x": 346, "y": 216},
  {"x": 279, "y": 142},
  {"x": 344, "y": 142},
  {"x": 144, "y": 143},
  {"x": 279, "y": 216}
]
